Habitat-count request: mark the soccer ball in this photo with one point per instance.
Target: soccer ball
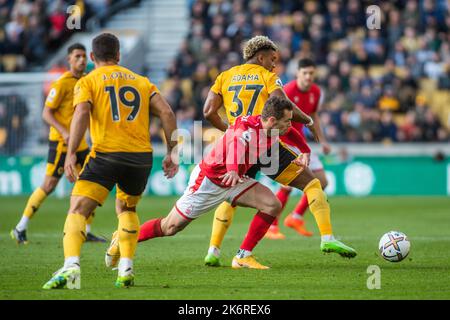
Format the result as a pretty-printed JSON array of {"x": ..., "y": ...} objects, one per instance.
[{"x": 394, "y": 246}]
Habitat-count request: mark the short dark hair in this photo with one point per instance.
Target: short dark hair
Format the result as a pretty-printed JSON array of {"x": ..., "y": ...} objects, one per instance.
[
  {"x": 275, "y": 106},
  {"x": 105, "y": 47},
  {"x": 305, "y": 63},
  {"x": 75, "y": 46}
]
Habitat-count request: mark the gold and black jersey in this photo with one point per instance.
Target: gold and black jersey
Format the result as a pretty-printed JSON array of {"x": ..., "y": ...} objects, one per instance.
[
  {"x": 120, "y": 111},
  {"x": 60, "y": 99},
  {"x": 245, "y": 89}
]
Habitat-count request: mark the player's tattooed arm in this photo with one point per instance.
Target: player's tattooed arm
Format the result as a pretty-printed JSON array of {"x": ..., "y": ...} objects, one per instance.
[
  {"x": 299, "y": 115},
  {"x": 160, "y": 108},
  {"x": 211, "y": 110},
  {"x": 78, "y": 127}
]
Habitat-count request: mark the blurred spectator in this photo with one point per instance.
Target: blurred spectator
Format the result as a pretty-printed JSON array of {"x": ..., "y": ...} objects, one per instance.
[
  {"x": 388, "y": 129},
  {"x": 409, "y": 131},
  {"x": 13, "y": 111},
  {"x": 365, "y": 75},
  {"x": 31, "y": 29},
  {"x": 388, "y": 102},
  {"x": 434, "y": 68},
  {"x": 367, "y": 97}
]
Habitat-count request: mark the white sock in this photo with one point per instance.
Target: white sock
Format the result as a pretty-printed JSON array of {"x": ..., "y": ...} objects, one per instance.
[
  {"x": 215, "y": 251},
  {"x": 23, "y": 223},
  {"x": 327, "y": 237},
  {"x": 297, "y": 216},
  {"x": 125, "y": 266},
  {"x": 71, "y": 261},
  {"x": 243, "y": 253},
  {"x": 88, "y": 228}
]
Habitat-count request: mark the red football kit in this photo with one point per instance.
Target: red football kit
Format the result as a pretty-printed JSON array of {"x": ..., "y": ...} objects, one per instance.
[
  {"x": 307, "y": 101},
  {"x": 241, "y": 146}
]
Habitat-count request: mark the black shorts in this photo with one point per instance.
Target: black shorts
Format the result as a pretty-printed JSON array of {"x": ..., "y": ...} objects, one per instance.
[
  {"x": 284, "y": 172},
  {"x": 56, "y": 158},
  {"x": 102, "y": 173}
]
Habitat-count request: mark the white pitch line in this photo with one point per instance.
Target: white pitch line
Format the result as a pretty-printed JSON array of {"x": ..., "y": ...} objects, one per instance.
[{"x": 32, "y": 235}]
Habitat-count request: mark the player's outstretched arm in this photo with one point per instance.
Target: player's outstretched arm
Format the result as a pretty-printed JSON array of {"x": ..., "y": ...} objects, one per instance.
[
  {"x": 299, "y": 115},
  {"x": 78, "y": 126},
  {"x": 211, "y": 110},
  {"x": 161, "y": 109}
]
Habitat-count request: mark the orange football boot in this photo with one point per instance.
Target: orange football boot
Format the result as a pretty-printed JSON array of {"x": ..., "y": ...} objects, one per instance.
[
  {"x": 274, "y": 233},
  {"x": 297, "y": 225}
]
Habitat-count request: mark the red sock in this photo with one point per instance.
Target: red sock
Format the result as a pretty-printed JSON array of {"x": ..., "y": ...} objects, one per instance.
[
  {"x": 258, "y": 228},
  {"x": 302, "y": 205},
  {"x": 275, "y": 222},
  {"x": 150, "y": 229},
  {"x": 283, "y": 196}
]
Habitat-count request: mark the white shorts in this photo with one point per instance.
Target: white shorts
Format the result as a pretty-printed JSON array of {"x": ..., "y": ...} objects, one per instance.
[
  {"x": 202, "y": 195},
  {"x": 315, "y": 164}
]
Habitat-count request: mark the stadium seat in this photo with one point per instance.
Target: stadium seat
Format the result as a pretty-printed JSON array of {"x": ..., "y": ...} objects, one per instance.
[
  {"x": 427, "y": 88},
  {"x": 13, "y": 62},
  {"x": 440, "y": 105},
  {"x": 357, "y": 71},
  {"x": 3, "y": 136},
  {"x": 186, "y": 86},
  {"x": 376, "y": 71},
  {"x": 399, "y": 119}
]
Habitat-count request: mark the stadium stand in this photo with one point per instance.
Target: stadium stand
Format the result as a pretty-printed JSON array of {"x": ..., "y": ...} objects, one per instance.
[
  {"x": 373, "y": 80},
  {"x": 387, "y": 85}
]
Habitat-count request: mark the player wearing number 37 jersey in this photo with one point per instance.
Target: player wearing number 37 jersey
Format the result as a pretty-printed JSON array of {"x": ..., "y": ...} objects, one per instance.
[{"x": 243, "y": 90}]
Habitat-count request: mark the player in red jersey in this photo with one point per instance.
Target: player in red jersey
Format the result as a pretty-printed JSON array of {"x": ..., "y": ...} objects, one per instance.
[
  {"x": 306, "y": 95},
  {"x": 221, "y": 176}
]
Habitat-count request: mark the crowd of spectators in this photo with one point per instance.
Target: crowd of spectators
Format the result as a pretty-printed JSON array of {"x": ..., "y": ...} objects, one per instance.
[
  {"x": 13, "y": 111},
  {"x": 30, "y": 30},
  {"x": 369, "y": 78}
]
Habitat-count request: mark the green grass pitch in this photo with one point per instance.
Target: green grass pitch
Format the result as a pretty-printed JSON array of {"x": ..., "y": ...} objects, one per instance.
[{"x": 172, "y": 268}]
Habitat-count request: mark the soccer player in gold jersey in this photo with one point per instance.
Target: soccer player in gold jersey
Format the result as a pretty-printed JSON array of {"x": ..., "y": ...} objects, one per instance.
[
  {"x": 243, "y": 90},
  {"x": 118, "y": 103},
  {"x": 57, "y": 113}
]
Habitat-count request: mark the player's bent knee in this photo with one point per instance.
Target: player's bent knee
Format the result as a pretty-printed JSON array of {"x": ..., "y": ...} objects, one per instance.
[
  {"x": 49, "y": 185},
  {"x": 273, "y": 208},
  {"x": 82, "y": 205}
]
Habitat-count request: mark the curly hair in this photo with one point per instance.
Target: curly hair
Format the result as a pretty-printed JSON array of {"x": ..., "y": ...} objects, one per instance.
[{"x": 256, "y": 44}]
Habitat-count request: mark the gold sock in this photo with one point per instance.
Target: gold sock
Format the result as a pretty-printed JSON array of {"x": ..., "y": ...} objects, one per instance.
[
  {"x": 128, "y": 233},
  {"x": 222, "y": 220},
  {"x": 74, "y": 234},
  {"x": 34, "y": 202},
  {"x": 319, "y": 206}
]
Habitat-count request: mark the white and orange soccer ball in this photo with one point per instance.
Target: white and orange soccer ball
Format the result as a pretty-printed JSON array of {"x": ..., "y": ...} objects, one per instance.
[{"x": 394, "y": 246}]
